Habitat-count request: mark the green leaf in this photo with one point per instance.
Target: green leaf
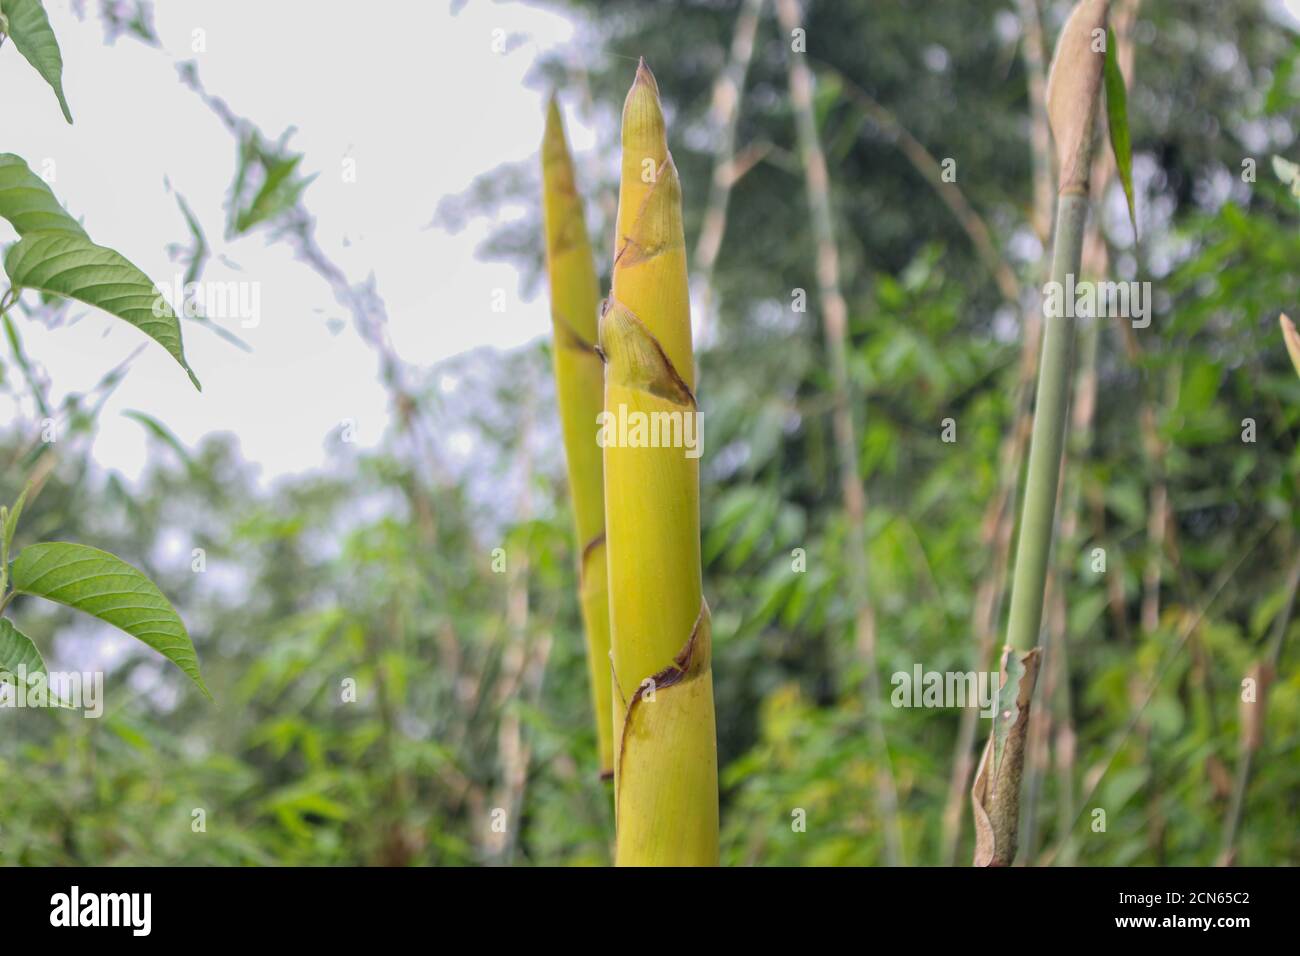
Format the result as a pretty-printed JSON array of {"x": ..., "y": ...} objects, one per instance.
[
  {"x": 30, "y": 30},
  {"x": 17, "y": 650},
  {"x": 1117, "y": 120},
  {"x": 199, "y": 250},
  {"x": 163, "y": 434},
  {"x": 11, "y": 516},
  {"x": 94, "y": 274},
  {"x": 281, "y": 185},
  {"x": 27, "y": 202},
  {"x": 280, "y": 191},
  {"x": 104, "y": 586},
  {"x": 1123, "y": 785},
  {"x": 74, "y": 267}
]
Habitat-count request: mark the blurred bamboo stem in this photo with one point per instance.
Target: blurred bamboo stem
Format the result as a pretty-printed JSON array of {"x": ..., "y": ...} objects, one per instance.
[
  {"x": 835, "y": 320},
  {"x": 1232, "y": 823},
  {"x": 724, "y": 115},
  {"x": 502, "y": 833},
  {"x": 1040, "y": 134}
]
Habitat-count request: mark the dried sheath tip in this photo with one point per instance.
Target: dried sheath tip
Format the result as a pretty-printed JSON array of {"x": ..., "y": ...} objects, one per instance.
[
  {"x": 1292, "y": 338},
  {"x": 1073, "y": 89},
  {"x": 645, "y": 77}
]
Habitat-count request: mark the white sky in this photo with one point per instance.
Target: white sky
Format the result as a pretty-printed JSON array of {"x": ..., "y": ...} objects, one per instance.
[{"x": 416, "y": 96}]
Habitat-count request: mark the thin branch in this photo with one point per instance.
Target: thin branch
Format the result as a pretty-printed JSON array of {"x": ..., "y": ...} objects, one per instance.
[{"x": 929, "y": 167}]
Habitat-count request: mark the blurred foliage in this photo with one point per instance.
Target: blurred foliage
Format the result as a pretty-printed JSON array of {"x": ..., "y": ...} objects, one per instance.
[{"x": 380, "y": 571}]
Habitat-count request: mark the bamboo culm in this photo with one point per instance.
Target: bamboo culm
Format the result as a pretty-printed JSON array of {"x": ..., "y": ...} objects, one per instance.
[
  {"x": 579, "y": 387},
  {"x": 665, "y": 752},
  {"x": 1047, "y": 443},
  {"x": 1073, "y": 92}
]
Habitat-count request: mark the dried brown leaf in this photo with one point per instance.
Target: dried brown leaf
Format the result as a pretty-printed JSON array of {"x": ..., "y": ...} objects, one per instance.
[{"x": 1073, "y": 88}]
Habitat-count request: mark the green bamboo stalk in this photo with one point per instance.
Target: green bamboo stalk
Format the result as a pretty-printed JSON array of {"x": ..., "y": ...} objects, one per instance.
[
  {"x": 1073, "y": 89},
  {"x": 1000, "y": 514},
  {"x": 665, "y": 763},
  {"x": 580, "y": 391},
  {"x": 1048, "y": 438}
]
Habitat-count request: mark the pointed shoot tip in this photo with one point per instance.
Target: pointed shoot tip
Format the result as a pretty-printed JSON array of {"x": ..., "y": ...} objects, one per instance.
[
  {"x": 645, "y": 77},
  {"x": 643, "y": 120}
]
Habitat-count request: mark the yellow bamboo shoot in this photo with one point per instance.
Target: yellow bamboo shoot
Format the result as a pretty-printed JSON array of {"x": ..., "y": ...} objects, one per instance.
[
  {"x": 666, "y": 776},
  {"x": 579, "y": 386}
]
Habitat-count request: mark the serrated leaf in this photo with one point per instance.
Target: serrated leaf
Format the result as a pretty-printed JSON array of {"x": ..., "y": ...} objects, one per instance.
[
  {"x": 34, "y": 38},
  {"x": 104, "y": 586},
  {"x": 73, "y": 266},
  {"x": 17, "y": 650},
  {"x": 1117, "y": 121},
  {"x": 28, "y": 203}
]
